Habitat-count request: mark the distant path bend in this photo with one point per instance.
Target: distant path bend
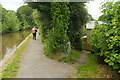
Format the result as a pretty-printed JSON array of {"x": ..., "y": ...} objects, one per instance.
[{"x": 35, "y": 65}]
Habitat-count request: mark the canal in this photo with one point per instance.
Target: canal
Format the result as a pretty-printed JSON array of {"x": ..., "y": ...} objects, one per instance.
[{"x": 11, "y": 40}]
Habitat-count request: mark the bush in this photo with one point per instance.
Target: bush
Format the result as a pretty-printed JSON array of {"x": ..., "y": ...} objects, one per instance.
[
  {"x": 105, "y": 38},
  {"x": 10, "y": 22},
  {"x": 78, "y": 18},
  {"x": 57, "y": 37}
]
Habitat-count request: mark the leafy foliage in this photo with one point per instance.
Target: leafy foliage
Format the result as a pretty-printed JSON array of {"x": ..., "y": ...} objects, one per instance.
[
  {"x": 78, "y": 18},
  {"x": 24, "y": 15},
  {"x": 10, "y": 22},
  {"x": 44, "y": 19},
  {"x": 61, "y": 23},
  {"x": 105, "y": 38},
  {"x": 57, "y": 37},
  {"x": 35, "y": 17},
  {"x": 0, "y": 19}
]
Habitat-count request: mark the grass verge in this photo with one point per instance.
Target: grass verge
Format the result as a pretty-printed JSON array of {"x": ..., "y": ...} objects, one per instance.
[
  {"x": 71, "y": 58},
  {"x": 67, "y": 58},
  {"x": 89, "y": 69},
  {"x": 11, "y": 70}
]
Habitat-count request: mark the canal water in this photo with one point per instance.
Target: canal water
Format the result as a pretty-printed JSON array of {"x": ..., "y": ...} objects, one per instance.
[{"x": 10, "y": 41}]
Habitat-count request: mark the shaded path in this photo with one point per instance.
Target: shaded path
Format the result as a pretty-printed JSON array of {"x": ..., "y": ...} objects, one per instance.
[{"x": 35, "y": 65}]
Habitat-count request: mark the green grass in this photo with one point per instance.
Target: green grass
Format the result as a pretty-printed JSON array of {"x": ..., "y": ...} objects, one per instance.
[
  {"x": 71, "y": 58},
  {"x": 89, "y": 69},
  {"x": 75, "y": 55},
  {"x": 11, "y": 70}
]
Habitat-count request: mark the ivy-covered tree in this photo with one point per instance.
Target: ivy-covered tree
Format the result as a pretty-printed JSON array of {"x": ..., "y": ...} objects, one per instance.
[
  {"x": 57, "y": 37},
  {"x": 78, "y": 18}
]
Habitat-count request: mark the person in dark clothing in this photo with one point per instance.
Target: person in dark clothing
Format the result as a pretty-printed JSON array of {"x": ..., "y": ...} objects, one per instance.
[{"x": 34, "y": 31}]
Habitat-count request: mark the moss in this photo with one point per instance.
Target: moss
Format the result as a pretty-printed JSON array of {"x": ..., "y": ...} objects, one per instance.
[{"x": 11, "y": 70}]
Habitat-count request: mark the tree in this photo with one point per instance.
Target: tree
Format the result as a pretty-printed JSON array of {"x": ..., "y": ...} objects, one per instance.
[
  {"x": 35, "y": 16},
  {"x": 105, "y": 38},
  {"x": 61, "y": 23},
  {"x": 78, "y": 18},
  {"x": 108, "y": 10},
  {"x": 44, "y": 16},
  {"x": 0, "y": 19},
  {"x": 10, "y": 22},
  {"x": 24, "y": 15},
  {"x": 3, "y": 18}
]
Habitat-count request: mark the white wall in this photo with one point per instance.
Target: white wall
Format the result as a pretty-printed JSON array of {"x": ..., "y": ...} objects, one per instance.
[{"x": 90, "y": 25}]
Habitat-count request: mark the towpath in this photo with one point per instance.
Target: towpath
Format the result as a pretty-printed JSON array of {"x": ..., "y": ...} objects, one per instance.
[{"x": 35, "y": 65}]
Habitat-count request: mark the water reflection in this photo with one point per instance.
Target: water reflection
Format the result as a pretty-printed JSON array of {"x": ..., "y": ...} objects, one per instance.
[{"x": 11, "y": 40}]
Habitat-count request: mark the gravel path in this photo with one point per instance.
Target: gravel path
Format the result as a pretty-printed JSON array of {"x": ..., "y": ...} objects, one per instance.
[
  {"x": 83, "y": 59},
  {"x": 35, "y": 65}
]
